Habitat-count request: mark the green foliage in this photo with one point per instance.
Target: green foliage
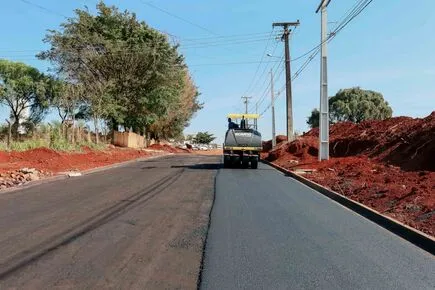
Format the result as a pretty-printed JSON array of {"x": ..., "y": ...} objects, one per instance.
[
  {"x": 203, "y": 138},
  {"x": 354, "y": 105},
  {"x": 22, "y": 88},
  {"x": 313, "y": 119},
  {"x": 28, "y": 145},
  {"x": 133, "y": 76}
]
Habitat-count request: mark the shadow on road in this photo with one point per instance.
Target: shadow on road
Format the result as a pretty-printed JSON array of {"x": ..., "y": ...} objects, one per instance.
[{"x": 203, "y": 166}]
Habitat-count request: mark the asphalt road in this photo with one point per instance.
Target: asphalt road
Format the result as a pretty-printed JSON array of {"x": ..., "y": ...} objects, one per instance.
[
  {"x": 141, "y": 226},
  {"x": 270, "y": 232}
]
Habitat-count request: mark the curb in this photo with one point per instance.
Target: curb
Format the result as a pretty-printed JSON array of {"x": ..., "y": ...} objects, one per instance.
[
  {"x": 64, "y": 175},
  {"x": 412, "y": 235}
]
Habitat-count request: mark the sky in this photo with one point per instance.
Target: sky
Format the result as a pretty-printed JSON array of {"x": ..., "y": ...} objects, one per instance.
[{"x": 387, "y": 48}]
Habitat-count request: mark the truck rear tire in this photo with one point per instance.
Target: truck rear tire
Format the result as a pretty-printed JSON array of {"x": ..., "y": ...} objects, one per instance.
[
  {"x": 227, "y": 162},
  {"x": 245, "y": 162},
  {"x": 254, "y": 163}
]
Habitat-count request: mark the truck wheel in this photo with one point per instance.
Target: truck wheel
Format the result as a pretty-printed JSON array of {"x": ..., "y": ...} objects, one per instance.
[
  {"x": 245, "y": 163},
  {"x": 254, "y": 164},
  {"x": 227, "y": 163}
]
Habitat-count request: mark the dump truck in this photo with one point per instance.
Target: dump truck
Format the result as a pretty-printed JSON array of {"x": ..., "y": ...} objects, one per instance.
[{"x": 242, "y": 144}]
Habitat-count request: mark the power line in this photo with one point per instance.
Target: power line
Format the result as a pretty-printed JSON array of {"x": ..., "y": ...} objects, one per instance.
[
  {"x": 261, "y": 76},
  {"x": 226, "y": 43},
  {"x": 258, "y": 67},
  {"x": 357, "y": 9},
  {"x": 43, "y": 8},
  {"x": 229, "y": 36},
  {"x": 178, "y": 17}
]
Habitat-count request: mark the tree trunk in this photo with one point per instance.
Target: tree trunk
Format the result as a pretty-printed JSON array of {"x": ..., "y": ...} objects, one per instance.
[
  {"x": 49, "y": 134},
  {"x": 14, "y": 129},
  {"x": 65, "y": 131},
  {"x": 114, "y": 129},
  {"x": 145, "y": 141},
  {"x": 97, "y": 141},
  {"x": 73, "y": 129},
  {"x": 9, "y": 134},
  {"x": 79, "y": 134}
]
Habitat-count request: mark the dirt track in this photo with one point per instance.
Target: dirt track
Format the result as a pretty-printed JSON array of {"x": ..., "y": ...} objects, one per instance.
[{"x": 137, "y": 227}]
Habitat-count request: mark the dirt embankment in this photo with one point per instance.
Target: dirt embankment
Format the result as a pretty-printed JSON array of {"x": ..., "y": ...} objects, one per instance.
[
  {"x": 17, "y": 168},
  {"x": 388, "y": 165}
]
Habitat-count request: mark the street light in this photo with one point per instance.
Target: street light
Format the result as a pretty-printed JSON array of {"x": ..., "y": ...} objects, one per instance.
[{"x": 269, "y": 55}]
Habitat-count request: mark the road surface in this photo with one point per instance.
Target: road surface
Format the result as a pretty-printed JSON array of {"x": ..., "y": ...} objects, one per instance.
[
  {"x": 141, "y": 226},
  {"x": 270, "y": 232}
]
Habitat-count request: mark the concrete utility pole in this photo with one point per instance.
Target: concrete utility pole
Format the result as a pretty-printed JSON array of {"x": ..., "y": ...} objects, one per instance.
[
  {"x": 288, "y": 80},
  {"x": 246, "y": 103},
  {"x": 273, "y": 109},
  {"x": 256, "y": 112},
  {"x": 324, "y": 104}
]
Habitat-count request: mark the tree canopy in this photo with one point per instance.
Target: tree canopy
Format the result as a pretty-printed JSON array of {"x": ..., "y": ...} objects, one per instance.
[
  {"x": 23, "y": 88},
  {"x": 354, "y": 105},
  {"x": 203, "y": 138},
  {"x": 132, "y": 75}
]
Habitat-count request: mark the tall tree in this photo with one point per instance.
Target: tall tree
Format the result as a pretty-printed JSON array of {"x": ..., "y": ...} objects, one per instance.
[
  {"x": 23, "y": 88},
  {"x": 133, "y": 67},
  {"x": 354, "y": 105}
]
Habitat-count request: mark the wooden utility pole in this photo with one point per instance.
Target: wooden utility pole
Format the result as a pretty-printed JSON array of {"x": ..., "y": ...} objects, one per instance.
[
  {"x": 288, "y": 81},
  {"x": 246, "y": 103},
  {"x": 273, "y": 109}
]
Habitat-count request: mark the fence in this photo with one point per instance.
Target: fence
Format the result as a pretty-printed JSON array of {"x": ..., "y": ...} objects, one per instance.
[{"x": 128, "y": 139}]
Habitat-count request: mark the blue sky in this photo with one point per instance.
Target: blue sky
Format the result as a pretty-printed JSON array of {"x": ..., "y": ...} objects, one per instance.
[{"x": 388, "y": 48}]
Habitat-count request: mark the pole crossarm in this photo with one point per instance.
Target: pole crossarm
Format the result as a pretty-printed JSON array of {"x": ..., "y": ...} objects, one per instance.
[{"x": 323, "y": 3}]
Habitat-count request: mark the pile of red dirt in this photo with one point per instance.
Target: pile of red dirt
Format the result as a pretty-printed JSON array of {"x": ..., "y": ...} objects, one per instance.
[
  {"x": 48, "y": 160},
  {"x": 267, "y": 145},
  {"x": 301, "y": 149},
  {"x": 402, "y": 141},
  {"x": 388, "y": 165},
  {"x": 168, "y": 148}
]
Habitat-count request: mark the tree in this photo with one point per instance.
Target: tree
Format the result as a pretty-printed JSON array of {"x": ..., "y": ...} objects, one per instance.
[
  {"x": 203, "y": 138},
  {"x": 354, "y": 105},
  {"x": 23, "y": 88},
  {"x": 313, "y": 119},
  {"x": 133, "y": 67}
]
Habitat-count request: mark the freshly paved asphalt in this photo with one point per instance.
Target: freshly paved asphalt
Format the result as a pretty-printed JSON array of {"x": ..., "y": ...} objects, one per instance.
[
  {"x": 270, "y": 232},
  {"x": 142, "y": 226}
]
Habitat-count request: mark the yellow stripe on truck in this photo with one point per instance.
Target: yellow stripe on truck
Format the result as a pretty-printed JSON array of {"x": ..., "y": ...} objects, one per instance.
[{"x": 243, "y": 148}]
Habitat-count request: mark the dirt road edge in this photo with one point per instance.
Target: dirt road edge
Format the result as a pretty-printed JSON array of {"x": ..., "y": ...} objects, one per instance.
[
  {"x": 412, "y": 235},
  {"x": 64, "y": 175}
]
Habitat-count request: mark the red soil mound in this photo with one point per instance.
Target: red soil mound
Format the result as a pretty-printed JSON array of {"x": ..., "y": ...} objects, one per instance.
[
  {"x": 267, "y": 145},
  {"x": 4, "y": 157},
  {"x": 303, "y": 149},
  {"x": 402, "y": 141},
  {"x": 48, "y": 160}
]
